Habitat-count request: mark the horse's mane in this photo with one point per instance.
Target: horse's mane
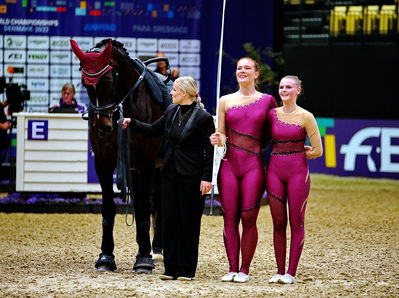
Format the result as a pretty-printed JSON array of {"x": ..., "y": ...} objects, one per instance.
[
  {"x": 159, "y": 90},
  {"x": 116, "y": 45}
]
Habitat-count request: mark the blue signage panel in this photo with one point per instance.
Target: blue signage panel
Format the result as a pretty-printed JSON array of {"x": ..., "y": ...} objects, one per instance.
[
  {"x": 34, "y": 41},
  {"x": 38, "y": 130},
  {"x": 368, "y": 148}
]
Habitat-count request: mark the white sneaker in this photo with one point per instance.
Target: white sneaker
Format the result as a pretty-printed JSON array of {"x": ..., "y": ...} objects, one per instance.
[
  {"x": 275, "y": 278},
  {"x": 287, "y": 279},
  {"x": 185, "y": 278},
  {"x": 241, "y": 277},
  {"x": 229, "y": 276}
]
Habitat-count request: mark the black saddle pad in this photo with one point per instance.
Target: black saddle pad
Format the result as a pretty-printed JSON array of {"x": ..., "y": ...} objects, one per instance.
[{"x": 159, "y": 90}]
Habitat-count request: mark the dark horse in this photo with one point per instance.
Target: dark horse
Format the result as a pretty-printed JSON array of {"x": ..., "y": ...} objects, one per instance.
[{"x": 115, "y": 85}]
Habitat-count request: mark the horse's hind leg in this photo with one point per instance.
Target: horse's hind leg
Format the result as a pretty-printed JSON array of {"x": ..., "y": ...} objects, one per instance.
[{"x": 106, "y": 260}]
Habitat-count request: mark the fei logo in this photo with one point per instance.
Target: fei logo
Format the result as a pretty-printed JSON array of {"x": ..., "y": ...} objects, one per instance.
[
  {"x": 359, "y": 147},
  {"x": 38, "y": 130},
  {"x": 386, "y": 149}
]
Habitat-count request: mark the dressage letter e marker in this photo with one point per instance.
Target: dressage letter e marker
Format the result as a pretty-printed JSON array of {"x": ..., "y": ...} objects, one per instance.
[{"x": 38, "y": 130}]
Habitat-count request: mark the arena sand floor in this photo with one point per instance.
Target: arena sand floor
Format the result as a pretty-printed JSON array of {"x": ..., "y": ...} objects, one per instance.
[{"x": 351, "y": 249}]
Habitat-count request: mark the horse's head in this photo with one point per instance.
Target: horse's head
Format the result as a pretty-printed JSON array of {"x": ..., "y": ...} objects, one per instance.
[{"x": 99, "y": 79}]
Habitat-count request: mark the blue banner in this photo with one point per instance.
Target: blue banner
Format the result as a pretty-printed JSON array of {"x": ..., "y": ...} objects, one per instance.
[
  {"x": 368, "y": 148},
  {"x": 35, "y": 50}
]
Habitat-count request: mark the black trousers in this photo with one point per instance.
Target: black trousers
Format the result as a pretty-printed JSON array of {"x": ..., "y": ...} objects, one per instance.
[{"x": 182, "y": 208}]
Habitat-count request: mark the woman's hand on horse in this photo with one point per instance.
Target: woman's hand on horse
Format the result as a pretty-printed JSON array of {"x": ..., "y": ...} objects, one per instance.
[
  {"x": 126, "y": 122},
  {"x": 205, "y": 187}
]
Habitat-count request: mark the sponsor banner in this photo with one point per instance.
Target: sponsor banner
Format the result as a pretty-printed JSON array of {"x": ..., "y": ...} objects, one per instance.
[
  {"x": 14, "y": 42},
  {"x": 194, "y": 72},
  {"x": 60, "y": 71},
  {"x": 56, "y": 85},
  {"x": 145, "y": 55},
  {"x": 55, "y": 96},
  {"x": 368, "y": 148},
  {"x": 168, "y": 45},
  {"x": 190, "y": 45},
  {"x": 78, "y": 85},
  {"x": 15, "y": 70},
  {"x": 128, "y": 43},
  {"x": 76, "y": 72},
  {"x": 38, "y": 42},
  {"x": 75, "y": 60},
  {"x": 189, "y": 59},
  {"x": 37, "y": 108},
  {"x": 42, "y": 56},
  {"x": 173, "y": 59},
  {"x": 37, "y": 84},
  {"x": 176, "y": 19},
  {"x": 15, "y": 56},
  {"x": 38, "y": 70},
  {"x": 85, "y": 43},
  {"x": 60, "y": 57},
  {"x": 147, "y": 45},
  {"x": 39, "y": 98},
  {"x": 82, "y": 97},
  {"x": 60, "y": 43}
]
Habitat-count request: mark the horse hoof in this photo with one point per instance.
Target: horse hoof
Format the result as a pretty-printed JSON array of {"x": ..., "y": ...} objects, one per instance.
[
  {"x": 143, "y": 271},
  {"x": 105, "y": 263},
  {"x": 104, "y": 268},
  {"x": 143, "y": 264}
]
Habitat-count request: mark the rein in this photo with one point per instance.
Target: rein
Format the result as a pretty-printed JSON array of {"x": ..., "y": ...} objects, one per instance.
[{"x": 123, "y": 174}]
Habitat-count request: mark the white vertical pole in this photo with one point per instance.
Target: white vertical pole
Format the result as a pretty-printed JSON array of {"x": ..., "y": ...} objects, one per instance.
[{"x": 216, "y": 160}]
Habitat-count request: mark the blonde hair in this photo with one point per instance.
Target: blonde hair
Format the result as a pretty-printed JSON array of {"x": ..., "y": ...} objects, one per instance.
[
  {"x": 297, "y": 81},
  {"x": 189, "y": 85},
  {"x": 68, "y": 86}
]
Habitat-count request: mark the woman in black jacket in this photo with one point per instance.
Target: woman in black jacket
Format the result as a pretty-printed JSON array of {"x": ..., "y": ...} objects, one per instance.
[{"x": 185, "y": 176}]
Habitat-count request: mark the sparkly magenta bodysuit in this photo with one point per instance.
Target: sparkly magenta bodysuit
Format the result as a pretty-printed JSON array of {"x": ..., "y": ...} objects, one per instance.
[
  {"x": 241, "y": 178},
  {"x": 288, "y": 180}
]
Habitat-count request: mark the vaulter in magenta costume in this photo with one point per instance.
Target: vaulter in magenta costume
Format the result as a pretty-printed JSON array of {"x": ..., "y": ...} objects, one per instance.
[
  {"x": 241, "y": 175},
  {"x": 288, "y": 178}
]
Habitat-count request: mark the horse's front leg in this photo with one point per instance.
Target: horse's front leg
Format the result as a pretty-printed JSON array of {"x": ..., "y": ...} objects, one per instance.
[
  {"x": 142, "y": 184},
  {"x": 106, "y": 260}
]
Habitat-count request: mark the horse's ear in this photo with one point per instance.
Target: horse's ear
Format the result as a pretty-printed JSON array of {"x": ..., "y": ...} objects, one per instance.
[
  {"x": 75, "y": 48},
  {"x": 106, "y": 53}
]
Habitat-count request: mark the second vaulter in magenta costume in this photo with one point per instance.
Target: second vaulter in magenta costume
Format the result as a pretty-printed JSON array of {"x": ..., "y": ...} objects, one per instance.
[{"x": 288, "y": 174}]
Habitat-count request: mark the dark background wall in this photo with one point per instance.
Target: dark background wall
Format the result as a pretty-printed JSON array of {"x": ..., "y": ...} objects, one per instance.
[
  {"x": 347, "y": 80},
  {"x": 343, "y": 78},
  {"x": 252, "y": 21}
]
